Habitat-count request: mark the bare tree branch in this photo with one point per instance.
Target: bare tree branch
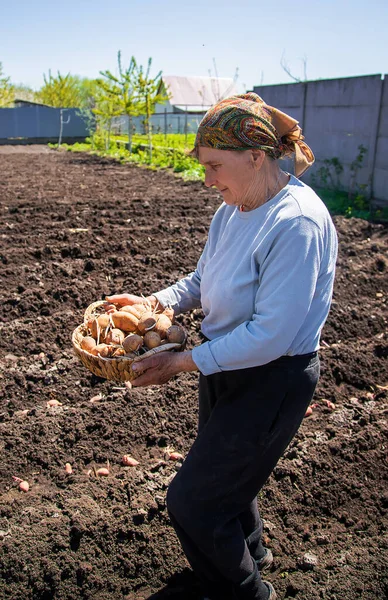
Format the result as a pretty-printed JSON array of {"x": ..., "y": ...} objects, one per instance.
[{"x": 287, "y": 70}]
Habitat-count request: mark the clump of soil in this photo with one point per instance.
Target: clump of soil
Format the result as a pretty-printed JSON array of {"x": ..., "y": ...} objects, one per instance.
[{"x": 77, "y": 227}]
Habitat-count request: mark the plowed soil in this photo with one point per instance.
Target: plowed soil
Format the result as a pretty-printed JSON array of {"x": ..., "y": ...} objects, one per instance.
[{"x": 76, "y": 227}]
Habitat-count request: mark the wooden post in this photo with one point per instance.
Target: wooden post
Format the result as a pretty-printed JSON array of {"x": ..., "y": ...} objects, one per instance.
[
  {"x": 186, "y": 128},
  {"x": 130, "y": 133},
  {"x": 165, "y": 124}
]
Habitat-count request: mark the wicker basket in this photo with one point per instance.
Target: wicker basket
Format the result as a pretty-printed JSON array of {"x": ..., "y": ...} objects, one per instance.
[{"x": 117, "y": 368}]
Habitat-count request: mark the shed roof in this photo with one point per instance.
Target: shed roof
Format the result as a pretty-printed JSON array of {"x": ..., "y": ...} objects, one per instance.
[
  {"x": 198, "y": 93},
  {"x": 22, "y": 102}
]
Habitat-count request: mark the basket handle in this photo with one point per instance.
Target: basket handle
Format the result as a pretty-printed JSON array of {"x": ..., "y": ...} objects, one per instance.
[{"x": 89, "y": 312}]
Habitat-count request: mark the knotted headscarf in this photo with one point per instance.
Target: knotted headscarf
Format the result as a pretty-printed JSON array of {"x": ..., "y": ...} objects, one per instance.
[{"x": 245, "y": 121}]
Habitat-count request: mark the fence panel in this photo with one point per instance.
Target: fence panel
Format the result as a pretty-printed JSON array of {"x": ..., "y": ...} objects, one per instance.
[
  {"x": 160, "y": 123},
  {"x": 41, "y": 123}
]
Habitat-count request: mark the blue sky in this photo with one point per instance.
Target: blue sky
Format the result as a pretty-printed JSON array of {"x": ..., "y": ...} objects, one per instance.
[{"x": 333, "y": 38}]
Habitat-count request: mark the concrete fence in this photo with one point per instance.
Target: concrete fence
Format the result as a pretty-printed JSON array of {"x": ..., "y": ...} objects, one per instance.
[{"x": 338, "y": 116}]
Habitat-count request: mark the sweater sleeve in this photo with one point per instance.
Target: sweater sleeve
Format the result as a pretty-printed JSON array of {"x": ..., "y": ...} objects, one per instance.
[
  {"x": 287, "y": 282},
  {"x": 185, "y": 295}
]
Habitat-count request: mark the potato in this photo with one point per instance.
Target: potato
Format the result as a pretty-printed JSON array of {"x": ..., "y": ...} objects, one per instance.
[
  {"x": 90, "y": 322},
  {"x": 162, "y": 325},
  {"x": 152, "y": 339},
  {"x": 169, "y": 312},
  {"x": 88, "y": 343},
  {"x": 125, "y": 321},
  {"x": 103, "y": 321},
  {"x": 99, "y": 349},
  {"x": 93, "y": 327},
  {"x": 141, "y": 308},
  {"x": 146, "y": 322},
  {"x": 132, "y": 309},
  {"x": 115, "y": 336},
  {"x": 108, "y": 351},
  {"x": 118, "y": 351},
  {"x": 176, "y": 334},
  {"x": 132, "y": 342},
  {"x": 98, "y": 325}
]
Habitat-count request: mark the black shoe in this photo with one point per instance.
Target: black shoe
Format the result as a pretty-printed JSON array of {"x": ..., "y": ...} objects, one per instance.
[
  {"x": 265, "y": 562},
  {"x": 272, "y": 593}
]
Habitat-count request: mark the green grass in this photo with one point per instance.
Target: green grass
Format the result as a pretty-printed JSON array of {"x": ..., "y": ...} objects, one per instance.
[
  {"x": 172, "y": 156},
  {"x": 357, "y": 206},
  {"x": 171, "y": 140}
]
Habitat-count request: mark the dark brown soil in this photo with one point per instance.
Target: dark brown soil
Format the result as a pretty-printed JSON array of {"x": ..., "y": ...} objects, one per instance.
[{"x": 76, "y": 227}]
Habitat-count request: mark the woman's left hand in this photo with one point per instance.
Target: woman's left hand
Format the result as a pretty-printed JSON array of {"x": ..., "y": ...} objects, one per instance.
[{"x": 158, "y": 369}]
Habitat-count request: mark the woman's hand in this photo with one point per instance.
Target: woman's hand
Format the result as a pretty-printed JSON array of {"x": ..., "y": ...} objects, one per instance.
[
  {"x": 118, "y": 300},
  {"x": 158, "y": 369},
  {"x": 125, "y": 299}
]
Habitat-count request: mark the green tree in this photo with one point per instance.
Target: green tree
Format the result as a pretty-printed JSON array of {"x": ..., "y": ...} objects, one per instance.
[
  {"x": 88, "y": 90},
  {"x": 23, "y": 92},
  {"x": 149, "y": 94},
  {"x": 6, "y": 89},
  {"x": 121, "y": 92},
  {"x": 106, "y": 107},
  {"x": 62, "y": 91}
]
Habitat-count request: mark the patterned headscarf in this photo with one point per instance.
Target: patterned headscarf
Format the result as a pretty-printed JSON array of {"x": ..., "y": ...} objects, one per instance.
[{"x": 245, "y": 121}]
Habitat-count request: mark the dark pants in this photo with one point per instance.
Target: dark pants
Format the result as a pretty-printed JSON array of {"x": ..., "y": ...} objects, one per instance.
[{"x": 247, "y": 418}]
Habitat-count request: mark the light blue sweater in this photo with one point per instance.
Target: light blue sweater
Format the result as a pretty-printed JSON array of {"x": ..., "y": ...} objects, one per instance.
[{"x": 264, "y": 281}]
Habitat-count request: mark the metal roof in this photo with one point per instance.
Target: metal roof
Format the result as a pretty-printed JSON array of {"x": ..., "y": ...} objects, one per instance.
[
  {"x": 22, "y": 102},
  {"x": 198, "y": 93}
]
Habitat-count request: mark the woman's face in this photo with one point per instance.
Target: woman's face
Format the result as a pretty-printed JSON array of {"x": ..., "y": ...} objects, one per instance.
[{"x": 232, "y": 173}]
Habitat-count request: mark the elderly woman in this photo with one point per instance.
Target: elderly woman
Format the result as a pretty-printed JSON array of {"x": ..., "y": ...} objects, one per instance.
[{"x": 264, "y": 282}]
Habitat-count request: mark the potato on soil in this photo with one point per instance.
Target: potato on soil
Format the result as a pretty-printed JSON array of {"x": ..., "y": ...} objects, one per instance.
[
  {"x": 125, "y": 321},
  {"x": 147, "y": 322},
  {"x": 129, "y": 461},
  {"x": 162, "y": 325},
  {"x": 102, "y": 472},
  {"x": 132, "y": 342},
  {"x": 176, "y": 334},
  {"x": 88, "y": 343},
  {"x": 152, "y": 339},
  {"x": 115, "y": 336}
]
